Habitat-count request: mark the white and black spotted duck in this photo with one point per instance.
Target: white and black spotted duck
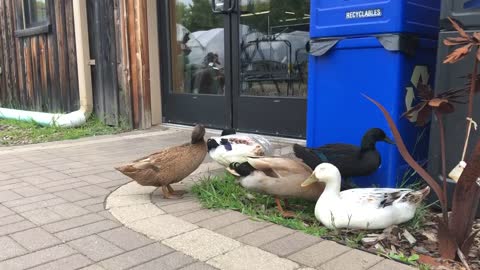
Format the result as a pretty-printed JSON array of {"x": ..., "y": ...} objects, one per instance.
[
  {"x": 351, "y": 160},
  {"x": 279, "y": 177},
  {"x": 231, "y": 147},
  {"x": 170, "y": 165},
  {"x": 361, "y": 208}
]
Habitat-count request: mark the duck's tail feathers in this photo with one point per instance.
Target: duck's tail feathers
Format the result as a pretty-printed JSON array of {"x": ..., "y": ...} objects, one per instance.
[
  {"x": 307, "y": 156},
  {"x": 125, "y": 168},
  {"x": 241, "y": 169},
  {"x": 229, "y": 131},
  {"x": 418, "y": 196}
]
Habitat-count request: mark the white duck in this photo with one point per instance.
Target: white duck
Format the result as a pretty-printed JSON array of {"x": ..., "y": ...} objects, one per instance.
[
  {"x": 236, "y": 148},
  {"x": 361, "y": 208}
]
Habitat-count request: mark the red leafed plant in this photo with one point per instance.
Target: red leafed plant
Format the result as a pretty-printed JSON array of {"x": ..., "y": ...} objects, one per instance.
[{"x": 455, "y": 231}]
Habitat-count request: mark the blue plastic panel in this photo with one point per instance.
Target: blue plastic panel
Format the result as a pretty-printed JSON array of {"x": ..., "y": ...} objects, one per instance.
[
  {"x": 330, "y": 18},
  {"x": 337, "y": 111}
]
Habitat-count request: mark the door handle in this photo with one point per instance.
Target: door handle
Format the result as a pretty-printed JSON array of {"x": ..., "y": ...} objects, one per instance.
[{"x": 233, "y": 3}]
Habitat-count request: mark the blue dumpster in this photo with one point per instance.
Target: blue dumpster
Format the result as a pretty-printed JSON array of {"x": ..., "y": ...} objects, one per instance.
[
  {"x": 386, "y": 68},
  {"x": 330, "y": 18}
]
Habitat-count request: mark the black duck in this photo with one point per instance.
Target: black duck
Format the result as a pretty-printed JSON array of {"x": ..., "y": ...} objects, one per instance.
[{"x": 351, "y": 160}]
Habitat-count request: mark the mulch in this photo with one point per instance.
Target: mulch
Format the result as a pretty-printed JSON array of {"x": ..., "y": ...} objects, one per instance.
[{"x": 422, "y": 242}]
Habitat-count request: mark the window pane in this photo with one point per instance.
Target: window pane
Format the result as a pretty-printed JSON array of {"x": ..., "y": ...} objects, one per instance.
[
  {"x": 38, "y": 11},
  {"x": 197, "y": 42},
  {"x": 274, "y": 61}
]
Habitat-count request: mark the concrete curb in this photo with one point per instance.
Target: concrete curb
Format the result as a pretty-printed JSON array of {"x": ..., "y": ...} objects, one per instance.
[{"x": 208, "y": 235}]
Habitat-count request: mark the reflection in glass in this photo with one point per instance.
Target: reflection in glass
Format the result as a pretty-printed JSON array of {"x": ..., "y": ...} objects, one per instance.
[
  {"x": 197, "y": 41},
  {"x": 274, "y": 61},
  {"x": 37, "y": 12}
]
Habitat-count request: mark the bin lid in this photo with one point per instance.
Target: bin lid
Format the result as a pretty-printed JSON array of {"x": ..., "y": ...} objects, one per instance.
[{"x": 405, "y": 43}]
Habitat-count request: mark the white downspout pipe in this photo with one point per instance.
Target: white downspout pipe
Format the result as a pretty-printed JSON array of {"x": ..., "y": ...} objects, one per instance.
[{"x": 80, "y": 116}]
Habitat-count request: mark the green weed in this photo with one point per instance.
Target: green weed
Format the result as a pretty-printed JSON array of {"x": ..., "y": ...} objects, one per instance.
[
  {"x": 14, "y": 132},
  {"x": 224, "y": 192}
]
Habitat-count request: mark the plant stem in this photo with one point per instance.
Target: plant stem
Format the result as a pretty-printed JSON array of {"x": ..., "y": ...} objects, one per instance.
[
  {"x": 444, "y": 164},
  {"x": 469, "y": 128},
  {"x": 408, "y": 158},
  {"x": 473, "y": 86},
  {"x": 462, "y": 258}
]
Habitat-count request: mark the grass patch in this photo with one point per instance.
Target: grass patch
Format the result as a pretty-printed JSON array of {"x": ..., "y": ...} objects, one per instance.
[
  {"x": 14, "y": 132},
  {"x": 223, "y": 192}
]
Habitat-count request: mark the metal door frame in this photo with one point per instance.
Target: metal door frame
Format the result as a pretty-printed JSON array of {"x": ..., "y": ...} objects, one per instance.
[
  {"x": 171, "y": 102},
  {"x": 235, "y": 110},
  {"x": 262, "y": 104}
]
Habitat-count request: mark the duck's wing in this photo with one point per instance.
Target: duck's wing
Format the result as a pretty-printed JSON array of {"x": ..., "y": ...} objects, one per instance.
[
  {"x": 259, "y": 144},
  {"x": 349, "y": 159},
  {"x": 279, "y": 167},
  {"x": 236, "y": 148},
  {"x": 307, "y": 156},
  {"x": 336, "y": 152},
  {"x": 161, "y": 159},
  {"x": 373, "y": 197},
  {"x": 333, "y": 153}
]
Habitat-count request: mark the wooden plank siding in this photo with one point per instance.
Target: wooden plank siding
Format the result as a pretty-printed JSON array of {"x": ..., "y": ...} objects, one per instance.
[
  {"x": 133, "y": 38},
  {"x": 39, "y": 72},
  {"x": 102, "y": 49},
  {"x": 119, "y": 45}
]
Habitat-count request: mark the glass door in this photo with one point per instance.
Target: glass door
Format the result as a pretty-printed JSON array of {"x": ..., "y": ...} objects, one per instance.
[
  {"x": 270, "y": 96},
  {"x": 196, "y": 89},
  {"x": 236, "y": 63}
]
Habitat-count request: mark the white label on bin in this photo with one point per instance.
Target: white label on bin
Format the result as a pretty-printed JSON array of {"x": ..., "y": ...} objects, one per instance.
[
  {"x": 420, "y": 74},
  {"x": 369, "y": 13}
]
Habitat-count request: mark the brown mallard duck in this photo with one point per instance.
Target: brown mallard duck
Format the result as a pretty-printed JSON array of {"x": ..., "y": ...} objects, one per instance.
[
  {"x": 279, "y": 177},
  {"x": 170, "y": 165}
]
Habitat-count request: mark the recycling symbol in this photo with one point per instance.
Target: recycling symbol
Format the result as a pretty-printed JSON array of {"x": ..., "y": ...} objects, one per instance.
[{"x": 419, "y": 74}]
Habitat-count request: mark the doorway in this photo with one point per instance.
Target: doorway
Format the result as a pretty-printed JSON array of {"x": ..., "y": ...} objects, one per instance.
[{"x": 236, "y": 64}]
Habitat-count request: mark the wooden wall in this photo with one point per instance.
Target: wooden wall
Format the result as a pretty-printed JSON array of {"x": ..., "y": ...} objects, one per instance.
[
  {"x": 39, "y": 72},
  {"x": 119, "y": 44},
  {"x": 103, "y": 50},
  {"x": 133, "y": 69}
]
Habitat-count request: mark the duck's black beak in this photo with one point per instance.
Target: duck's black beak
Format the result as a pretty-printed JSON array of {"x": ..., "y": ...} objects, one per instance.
[{"x": 388, "y": 140}]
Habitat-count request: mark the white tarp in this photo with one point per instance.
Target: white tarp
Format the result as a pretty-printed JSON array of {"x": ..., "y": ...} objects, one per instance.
[
  {"x": 181, "y": 31},
  {"x": 203, "y": 42},
  {"x": 278, "y": 51}
]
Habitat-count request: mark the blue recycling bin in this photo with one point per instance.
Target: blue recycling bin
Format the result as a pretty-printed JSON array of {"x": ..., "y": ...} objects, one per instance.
[
  {"x": 387, "y": 68},
  {"x": 380, "y": 48},
  {"x": 330, "y": 18}
]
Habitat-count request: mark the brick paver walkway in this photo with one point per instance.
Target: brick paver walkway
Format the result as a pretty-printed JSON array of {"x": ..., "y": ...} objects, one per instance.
[{"x": 56, "y": 213}]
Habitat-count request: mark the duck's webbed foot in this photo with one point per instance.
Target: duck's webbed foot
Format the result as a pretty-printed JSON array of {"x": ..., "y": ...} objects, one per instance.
[
  {"x": 176, "y": 192},
  {"x": 168, "y": 195},
  {"x": 284, "y": 213}
]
